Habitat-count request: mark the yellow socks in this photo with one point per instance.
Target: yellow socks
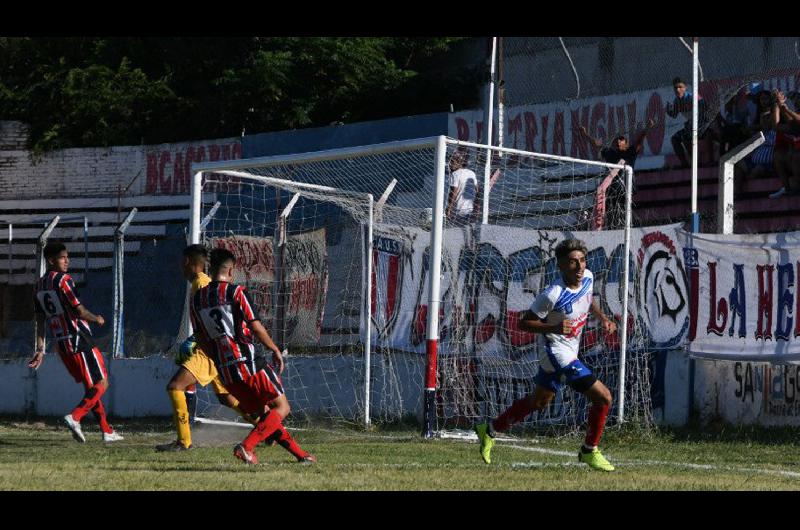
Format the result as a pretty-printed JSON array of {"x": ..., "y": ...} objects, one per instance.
[{"x": 180, "y": 414}]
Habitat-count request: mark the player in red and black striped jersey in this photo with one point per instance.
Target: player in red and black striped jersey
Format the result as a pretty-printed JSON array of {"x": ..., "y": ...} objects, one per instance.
[
  {"x": 226, "y": 323},
  {"x": 59, "y": 310}
]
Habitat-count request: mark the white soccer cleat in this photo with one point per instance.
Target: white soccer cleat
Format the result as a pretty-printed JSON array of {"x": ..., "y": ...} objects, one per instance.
[
  {"x": 75, "y": 428},
  {"x": 112, "y": 437}
]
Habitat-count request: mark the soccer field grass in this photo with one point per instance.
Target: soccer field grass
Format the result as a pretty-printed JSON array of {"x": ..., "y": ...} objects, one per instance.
[{"x": 43, "y": 456}]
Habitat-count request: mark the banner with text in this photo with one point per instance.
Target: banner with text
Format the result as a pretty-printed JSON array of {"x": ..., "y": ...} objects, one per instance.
[
  {"x": 554, "y": 128},
  {"x": 304, "y": 285},
  {"x": 491, "y": 274},
  {"x": 746, "y": 305}
]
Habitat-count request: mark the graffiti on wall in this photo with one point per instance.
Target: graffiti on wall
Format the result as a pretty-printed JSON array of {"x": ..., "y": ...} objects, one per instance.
[
  {"x": 169, "y": 170},
  {"x": 775, "y": 387}
]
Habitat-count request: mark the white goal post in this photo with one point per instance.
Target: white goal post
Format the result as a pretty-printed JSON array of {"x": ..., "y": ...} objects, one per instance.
[{"x": 548, "y": 188}]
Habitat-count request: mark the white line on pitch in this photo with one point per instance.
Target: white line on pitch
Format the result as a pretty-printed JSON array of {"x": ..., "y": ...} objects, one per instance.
[{"x": 712, "y": 467}]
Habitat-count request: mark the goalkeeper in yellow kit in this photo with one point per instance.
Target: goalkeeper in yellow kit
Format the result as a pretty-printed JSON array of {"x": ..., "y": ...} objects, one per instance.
[{"x": 195, "y": 366}]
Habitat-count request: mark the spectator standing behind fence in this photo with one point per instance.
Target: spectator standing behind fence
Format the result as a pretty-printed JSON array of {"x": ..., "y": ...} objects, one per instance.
[
  {"x": 737, "y": 121},
  {"x": 682, "y": 140},
  {"x": 620, "y": 152},
  {"x": 786, "y": 158},
  {"x": 760, "y": 162},
  {"x": 463, "y": 190}
]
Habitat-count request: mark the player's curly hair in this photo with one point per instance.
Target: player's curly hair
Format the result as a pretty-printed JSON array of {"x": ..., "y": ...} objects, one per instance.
[{"x": 564, "y": 248}]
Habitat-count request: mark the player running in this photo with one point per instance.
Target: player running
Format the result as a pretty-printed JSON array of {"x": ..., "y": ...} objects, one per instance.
[
  {"x": 559, "y": 314},
  {"x": 59, "y": 310},
  {"x": 195, "y": 367},
  {"x": 225, "y": 321}
]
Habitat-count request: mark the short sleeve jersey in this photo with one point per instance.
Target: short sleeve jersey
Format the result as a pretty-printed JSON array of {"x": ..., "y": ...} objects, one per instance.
[
  {"x": 465, "y": 181},
  {"x": 57, "y": 299},
  {"x": 556, "y": 303},
  {"x": 222, "y": 312}
]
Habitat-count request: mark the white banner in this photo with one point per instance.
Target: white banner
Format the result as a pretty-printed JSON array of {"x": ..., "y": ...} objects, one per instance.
[
  {"x": 490, "y": 274},
  {"x": 746, "y": 306},
  {"x": 305, "y": 280},
  {"x": 255, "y": 269}
]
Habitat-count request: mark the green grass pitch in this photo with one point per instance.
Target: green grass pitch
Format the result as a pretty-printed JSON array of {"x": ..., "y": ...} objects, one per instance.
[{"x": 41, "y": 455}]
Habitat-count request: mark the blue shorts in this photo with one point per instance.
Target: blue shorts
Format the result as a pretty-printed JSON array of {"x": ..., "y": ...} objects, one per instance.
[{"x": 575, "y": 374}]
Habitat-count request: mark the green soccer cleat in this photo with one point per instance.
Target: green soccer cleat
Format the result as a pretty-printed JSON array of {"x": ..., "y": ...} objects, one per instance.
[
  {"x": 487, "y": 442},
  {"x": 595, "y": 460}
]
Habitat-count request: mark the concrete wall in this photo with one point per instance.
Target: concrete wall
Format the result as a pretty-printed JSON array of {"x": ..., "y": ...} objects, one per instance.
[
  {"x": 748, "y": 393},
  {"x": 137, "y": 386},
  {"x": 328, "y": 386},
  {"x": 99, "y": 171}
]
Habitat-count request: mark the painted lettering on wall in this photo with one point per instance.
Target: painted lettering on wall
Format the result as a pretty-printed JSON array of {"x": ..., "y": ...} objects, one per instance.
[
  {"x": 168, "y": 171},
  {"x": 775, "y": 387}
]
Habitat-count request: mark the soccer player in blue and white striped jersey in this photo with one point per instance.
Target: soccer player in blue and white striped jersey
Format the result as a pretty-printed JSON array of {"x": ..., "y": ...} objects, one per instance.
[{"x": 559, "y": 314}]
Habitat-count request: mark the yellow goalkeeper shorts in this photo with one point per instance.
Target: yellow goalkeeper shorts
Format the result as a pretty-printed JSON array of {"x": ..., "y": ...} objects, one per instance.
[{"x": 202, "y": 368}]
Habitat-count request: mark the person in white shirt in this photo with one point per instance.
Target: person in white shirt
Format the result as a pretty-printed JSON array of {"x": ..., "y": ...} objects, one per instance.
[
  {"x": 463, "y": 190},
  {"x": 559, "y": 314}
]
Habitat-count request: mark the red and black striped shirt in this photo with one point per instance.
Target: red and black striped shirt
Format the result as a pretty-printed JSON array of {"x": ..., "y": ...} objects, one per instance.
[
  {"x": 221, "y": 312},
  {"x": 57, "y": 299}
]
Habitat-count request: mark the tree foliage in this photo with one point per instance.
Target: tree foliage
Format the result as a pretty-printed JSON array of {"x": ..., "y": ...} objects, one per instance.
[{"x": 79, "y": 92}]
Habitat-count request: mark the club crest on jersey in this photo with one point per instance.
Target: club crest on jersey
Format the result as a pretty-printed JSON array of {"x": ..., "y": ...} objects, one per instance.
[{"x": 388, "y": 257}]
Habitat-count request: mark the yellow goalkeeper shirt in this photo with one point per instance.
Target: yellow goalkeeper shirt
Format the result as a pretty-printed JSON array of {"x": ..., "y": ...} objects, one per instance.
[{"x": 201, "y": 280}]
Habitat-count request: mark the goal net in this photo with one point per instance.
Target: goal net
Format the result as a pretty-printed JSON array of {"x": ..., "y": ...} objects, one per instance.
[{"x": 337, "y": 248}]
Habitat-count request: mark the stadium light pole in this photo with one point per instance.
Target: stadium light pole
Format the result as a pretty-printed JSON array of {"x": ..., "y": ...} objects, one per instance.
[
  {"x": 695, "y": 215},
  {"x": 695, "y": 112},
  {"x": 501, "y": 96},
  {"x": 487, "y": 168}
]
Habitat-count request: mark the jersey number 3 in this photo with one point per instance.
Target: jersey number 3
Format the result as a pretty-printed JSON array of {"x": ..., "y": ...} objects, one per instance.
[{"x": 217, "y": 322}]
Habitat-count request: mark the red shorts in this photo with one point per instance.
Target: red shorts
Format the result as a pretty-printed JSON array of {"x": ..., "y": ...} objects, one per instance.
[
  {"x": 87, "y": 367},
  {"x": 255, "y": 393}
]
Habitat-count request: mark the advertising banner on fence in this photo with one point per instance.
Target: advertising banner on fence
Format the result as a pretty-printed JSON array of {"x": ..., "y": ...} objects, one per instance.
[
  {"x": 554, "y": 127},
  {"x": 255, "y": 269},
  {"x": 305, "y": 280},
  {"x": 746, "y": 304},
  {"x": 491, "y": 274}
]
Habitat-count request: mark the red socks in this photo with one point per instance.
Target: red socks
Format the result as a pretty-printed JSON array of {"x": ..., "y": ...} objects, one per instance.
[
  {"x": 595, "y": 425},
  {"x": 515, "y": 413},
  {"x": 89, "y": 401},
  {"x": 271, "y": 426},
  {"x": 287, "y": 442},
  {"x": 99, "y": 413},
  {"x": 263, "y": 429}
]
